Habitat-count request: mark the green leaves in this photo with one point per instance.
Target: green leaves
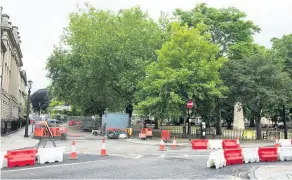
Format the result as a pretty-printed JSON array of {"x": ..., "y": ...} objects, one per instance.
[{"x": 186, "y": 68}]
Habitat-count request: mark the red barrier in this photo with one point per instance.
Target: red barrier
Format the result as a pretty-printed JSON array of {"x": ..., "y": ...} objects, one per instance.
[
  {"x": 268, "y": 154},
  {"x": 165, "y": 135},
  {"x": 148, "y": 132},
  {"x": 233, "y": 156},
  {"x": 21, "y": 157},
  {"x": 200, "y": 144},
  {"x": 230, "y": 144},
  {"x": 142, "y": 134}
]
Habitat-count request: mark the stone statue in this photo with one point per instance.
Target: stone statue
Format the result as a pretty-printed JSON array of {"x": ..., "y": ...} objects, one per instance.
[{"x": 238, "y": 120}]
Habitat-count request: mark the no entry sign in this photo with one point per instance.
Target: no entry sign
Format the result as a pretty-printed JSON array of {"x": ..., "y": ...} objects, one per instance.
[{"x": 190, "y": 104}]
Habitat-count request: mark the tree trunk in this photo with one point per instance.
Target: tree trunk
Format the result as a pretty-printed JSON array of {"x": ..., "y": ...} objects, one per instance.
[
  {"x": 155, "y": 123},
  {"x": 251, "y": 121},
  {"x": 229, "y": 122},
  {"x": 218, "y": 121},
  {"x": 258, "y": 126}
]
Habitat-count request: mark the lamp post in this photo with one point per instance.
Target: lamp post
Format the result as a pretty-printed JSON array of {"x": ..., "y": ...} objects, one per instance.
[{"x": 28, "y": 107}]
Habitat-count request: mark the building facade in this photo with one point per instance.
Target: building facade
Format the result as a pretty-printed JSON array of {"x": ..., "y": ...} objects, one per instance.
[{"x": 13, "y": 78}]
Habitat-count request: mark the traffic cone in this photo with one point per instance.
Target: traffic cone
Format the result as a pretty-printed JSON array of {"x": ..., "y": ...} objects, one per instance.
[
  {"x": 277, "y": 142},
  {"x": 73, "y": 154},
  {"x": 103, "y": 150},
  {"x": 161, "y": 148},
  {"x": 237, "y": 140},
  {"x": 174, "y": 143}
]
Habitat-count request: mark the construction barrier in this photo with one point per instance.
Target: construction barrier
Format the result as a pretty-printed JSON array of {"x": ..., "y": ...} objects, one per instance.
[
  {"x": 21, "y": 157},
  {"x": 200, "y": 144},
  {"x": 148, "y": 132},
  {"x": 250, "y": 155},
  {"x": 230, "y": 144},
  {"x": 50, "y": 155},
  {"x": 215, "y": 144},
  {"x": 165, "y": 135},
  {"x": 285, "y": 142},
  {"x": 233, "y": 156},
  {"x": 285, "y": 153},
  {"x": 216, "y": 159},
  {"x": 142, "y": 134},
  {"x": 268, "y": 154},
  {"x": 2, "y": 154}
]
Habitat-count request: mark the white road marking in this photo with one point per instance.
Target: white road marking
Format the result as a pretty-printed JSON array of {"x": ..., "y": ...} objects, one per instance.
[
  {"x": 139, "y": 156},
  {"x": 186, "y": 155},
  {"x": 163, "y": 155},
  {"x": 48, "y": 166}
]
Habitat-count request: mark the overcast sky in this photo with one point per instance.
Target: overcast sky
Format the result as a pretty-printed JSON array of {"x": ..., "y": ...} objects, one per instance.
[{"x": 41, "y": 22}]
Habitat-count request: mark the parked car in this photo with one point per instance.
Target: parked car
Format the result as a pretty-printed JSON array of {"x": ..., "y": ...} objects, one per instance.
[{"x": 113, "y": 135}]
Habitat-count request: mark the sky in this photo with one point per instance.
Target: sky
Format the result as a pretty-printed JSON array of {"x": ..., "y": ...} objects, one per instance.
[{"x": 41, "y": 22}]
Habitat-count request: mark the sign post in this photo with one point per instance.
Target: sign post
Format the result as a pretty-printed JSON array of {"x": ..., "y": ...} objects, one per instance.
[{"x": 190, "y": 106}]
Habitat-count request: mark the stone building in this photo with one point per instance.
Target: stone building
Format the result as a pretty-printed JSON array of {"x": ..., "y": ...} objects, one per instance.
[{"x": 13, "y": 81}]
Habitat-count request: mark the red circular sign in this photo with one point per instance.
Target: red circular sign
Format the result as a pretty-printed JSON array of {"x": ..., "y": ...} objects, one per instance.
[{"x": 190, "y": 104}]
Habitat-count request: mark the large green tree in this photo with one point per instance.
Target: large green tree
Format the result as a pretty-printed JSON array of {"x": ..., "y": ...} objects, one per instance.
[
  {"x": 227, "y": 26},
  {"x": 258, "y": 81},
  {"x": 187, "y": 68},
  {"x": 106, "y": 57}
]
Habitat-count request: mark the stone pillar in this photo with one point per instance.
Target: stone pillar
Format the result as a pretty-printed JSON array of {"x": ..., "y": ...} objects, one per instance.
[{"x": 238, "y": 121}]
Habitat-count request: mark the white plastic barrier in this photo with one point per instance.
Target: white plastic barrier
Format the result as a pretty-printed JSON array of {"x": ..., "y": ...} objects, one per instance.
[
  {"x": 50, "y": 154},
  {"x": 2, "y": 154},
  {"x": 250, "y": 155},
  {"x": 285, "y": 153},
  {"x": 285, "y": 142},
  {"x": 216, "y": 159},
  {"x": 215, "y": 144}
]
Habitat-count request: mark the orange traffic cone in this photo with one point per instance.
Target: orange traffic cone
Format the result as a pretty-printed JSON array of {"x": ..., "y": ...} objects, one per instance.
[
  {"x": 174, "y": 143},
  {"x": 277, "y": 142},
  {"x": 73, "y": 154},
  {"x": 161, "y": 148},
  {"x": 103, "y": 150}
]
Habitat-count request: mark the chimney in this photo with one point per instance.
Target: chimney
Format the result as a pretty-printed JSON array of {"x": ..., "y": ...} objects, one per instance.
[
  {"x": 5, "y": 19},
  {"x": 14, "y": 31}
]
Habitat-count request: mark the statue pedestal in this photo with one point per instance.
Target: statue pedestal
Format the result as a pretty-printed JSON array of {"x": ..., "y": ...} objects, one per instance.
[{"x": 238, "y": 120}]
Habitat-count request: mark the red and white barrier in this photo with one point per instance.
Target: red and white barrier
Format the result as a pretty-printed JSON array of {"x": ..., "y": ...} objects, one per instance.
[
  {"x": 285, "y": 153},
  {"x": 285, "y": 142},
  {"x": 215, "y": 144},
  {"x": 2, "y": 154},
  {"x": 216, "y": 159},
  {"x": 250, "y": 155},
  {"x": 50, "y": 155}
]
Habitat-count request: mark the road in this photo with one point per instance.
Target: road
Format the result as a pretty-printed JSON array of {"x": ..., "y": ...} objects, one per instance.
[{"x": 168, "y": 165}]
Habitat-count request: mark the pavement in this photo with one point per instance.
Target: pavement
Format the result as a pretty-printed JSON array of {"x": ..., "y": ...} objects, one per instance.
[
  {"x": 17, "y": 140},
  {"x": 272, "y": 172}
]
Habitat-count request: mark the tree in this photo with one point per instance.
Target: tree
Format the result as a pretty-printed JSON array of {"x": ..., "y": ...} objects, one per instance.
[
  {"x": 106, "y": 59},
  {"x": 40, "y": 100},
  {"x": 257, "y": 82},
  {"x": 187, "y": 68},
  {"x": 227, "y": 26},
  {"x": 283, "y": 48}
]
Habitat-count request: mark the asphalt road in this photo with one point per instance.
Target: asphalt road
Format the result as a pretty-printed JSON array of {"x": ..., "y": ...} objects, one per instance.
[{"x": 146, "y": 166}]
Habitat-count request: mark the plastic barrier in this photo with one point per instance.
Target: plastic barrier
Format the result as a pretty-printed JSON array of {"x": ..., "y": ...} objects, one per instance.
[
  {"x": 21, "y": 157},
  {"x": 215, "y": 144},
  {"x": 268, "y": 154},
  {"x": 230, "y": 144},
  {"x": 49, "y": 155},
  {"x": 149, "y": 132},
  {"x": 142, "y": 134},
  {"x": 285, "y": 153},
  {"x": 200, "y": 144},
  {"x": 285, "y": 142},
  {"x": 216, "y": 159},
  {"x": 233, "y": 156},
  {"x": 250, "y": 155},
  {"x": 165, "y": 135},
  {"x": 2, "y": 154}
]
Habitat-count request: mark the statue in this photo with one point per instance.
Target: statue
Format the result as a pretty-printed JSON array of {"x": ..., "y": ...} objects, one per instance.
[{"x": 238, "y": 120}]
